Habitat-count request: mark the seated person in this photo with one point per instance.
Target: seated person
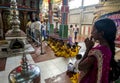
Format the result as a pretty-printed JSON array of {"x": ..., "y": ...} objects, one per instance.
[
  {"x": 73, "y": 67},
  {"x": 74, "y": 51},
  {"x": 68, "y": 50},
  {"x": 58, "y": 52},
  {"x": 53, "y": 45},
  {"x": 57, "y": 46},
  {"x": 78, "y": 58}
]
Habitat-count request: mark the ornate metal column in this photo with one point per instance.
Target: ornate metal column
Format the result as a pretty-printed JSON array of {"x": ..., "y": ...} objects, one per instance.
[
  {"x": 15, "y": 23},
  {"x": 25, "y": 73},
  {"x": 25, "y": 20}
]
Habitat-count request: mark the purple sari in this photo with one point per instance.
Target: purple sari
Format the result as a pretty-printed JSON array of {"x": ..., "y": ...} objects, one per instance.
[{"x": 99, "y": 72}]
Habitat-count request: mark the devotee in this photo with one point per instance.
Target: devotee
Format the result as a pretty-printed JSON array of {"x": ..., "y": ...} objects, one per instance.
[
  {"x": 68, "y": 50},
  {"x": 96, "y": 65},
  {"x": 43, "y": 26},
  {"x": 32, "y": 27},
  {"x": 38, "y": 30},
  {"x": 70, "y": 34},
  {"x": 75, "y": 66},
  {"x": 28, "y": 30},
  {"x": 75, "y": 29},
  {"x": 28, "y": 23},
  {"x": 72, "y": 69},
  {"x": 78, "y": 58},
  {"x": 74, "y": 50},
  {"x": 60, "y": 50}
]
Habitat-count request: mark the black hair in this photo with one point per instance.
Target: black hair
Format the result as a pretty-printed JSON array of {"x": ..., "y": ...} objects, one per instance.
[
  {"x": 33, "y": 20},
  {"x": 75, "y": 25},
  {"x": 74, "y": 46},
  {"x": 37, "y": 19},
  {"x": 68, "y": 45},
  {"x": 78, "y": 56},
  {"x": 29, "y": 20},
  {"x": 71, "y": 26},
  {"x": 76, "y": 43},
  {"x": 109, "y": 28}
]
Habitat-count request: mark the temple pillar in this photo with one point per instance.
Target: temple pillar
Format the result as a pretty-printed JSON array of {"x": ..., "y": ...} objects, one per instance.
[
  {"x": 63, "y": 33},
  {"x": 24, "y": 2},
  {"x": 50, "y": 19},
  {"x": 1, "y": 25},
  {"x": 25, "y": 20}
]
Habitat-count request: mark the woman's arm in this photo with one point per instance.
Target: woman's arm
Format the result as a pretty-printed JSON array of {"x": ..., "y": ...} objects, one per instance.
[{"x": 86, "y": 63}]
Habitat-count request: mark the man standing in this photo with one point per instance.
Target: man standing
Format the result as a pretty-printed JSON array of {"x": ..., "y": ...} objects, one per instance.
[
  {"x": 43, "y": 26},
  {"x": 38, "y": 30},
  {"x": 71, "y": 34},
  {"x": 75, "y": 32},
  {"x": 32, "y": 27}
]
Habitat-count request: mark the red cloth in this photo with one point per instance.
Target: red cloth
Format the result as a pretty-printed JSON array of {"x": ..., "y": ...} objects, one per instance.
[
  {"x": 19, "y": 69},
  {"x": 92, "y": 74},
  {"x": 48, "y": 1}
]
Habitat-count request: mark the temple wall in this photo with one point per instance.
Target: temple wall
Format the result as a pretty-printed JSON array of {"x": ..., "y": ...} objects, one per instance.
[
  {"x": 83, "y": 18},
  {"x": 86, "y": 16}
]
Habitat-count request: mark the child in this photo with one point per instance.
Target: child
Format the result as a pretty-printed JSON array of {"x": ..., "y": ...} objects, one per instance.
[
  {"x": 70, "y": 34},
  {"x": 78, "y": 58},
  {"x": 74, "y": 51},
  {"x": 73, "y": 68},
  {"x": 68, "y": 50}
]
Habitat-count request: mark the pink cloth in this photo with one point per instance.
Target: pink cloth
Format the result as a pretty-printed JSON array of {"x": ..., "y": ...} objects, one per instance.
[{"x": 103, "y": 56}]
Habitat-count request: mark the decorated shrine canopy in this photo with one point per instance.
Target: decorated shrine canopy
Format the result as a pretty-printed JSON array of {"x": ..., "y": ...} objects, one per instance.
[{"x": 115, "y": 16}]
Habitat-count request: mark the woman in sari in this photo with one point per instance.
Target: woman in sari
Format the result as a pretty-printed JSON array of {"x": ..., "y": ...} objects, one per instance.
[{"x": 95, "y": 65}]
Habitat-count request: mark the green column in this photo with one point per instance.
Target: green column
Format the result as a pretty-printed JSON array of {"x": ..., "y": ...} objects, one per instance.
[
  {"x": 63, "y": 32},
  {"x": 51, "y": 30}
]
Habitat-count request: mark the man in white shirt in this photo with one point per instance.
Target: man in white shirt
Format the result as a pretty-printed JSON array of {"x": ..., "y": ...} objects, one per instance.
[
  {"x": 75, "y": 32},
  {"x": 38, "y": 30},
  {"x": 32, "y": 26},
  {"x": 28, "y": 29},
  {"x": 44, "y": 30}
]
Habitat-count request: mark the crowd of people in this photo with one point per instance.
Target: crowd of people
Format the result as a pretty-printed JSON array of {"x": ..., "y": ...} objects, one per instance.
[
  {"x": 36, "y": 30},
  {"x": 73, "y": 33}
]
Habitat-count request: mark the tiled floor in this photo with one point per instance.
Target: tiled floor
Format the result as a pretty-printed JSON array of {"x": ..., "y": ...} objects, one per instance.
[{"x": 48, "y": 68}]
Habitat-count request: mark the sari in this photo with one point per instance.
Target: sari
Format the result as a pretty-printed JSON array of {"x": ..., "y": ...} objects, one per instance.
[{"x": 99, "y": 72}]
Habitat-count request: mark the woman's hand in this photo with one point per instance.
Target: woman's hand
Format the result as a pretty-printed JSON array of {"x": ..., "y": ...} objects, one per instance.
[{"x": 89, "y": 43}]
